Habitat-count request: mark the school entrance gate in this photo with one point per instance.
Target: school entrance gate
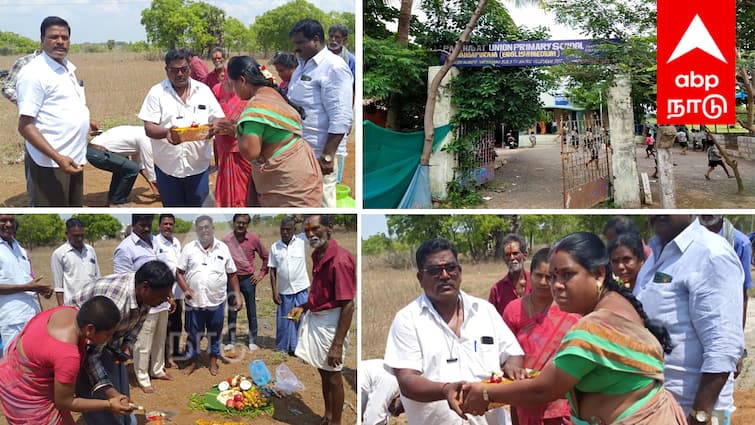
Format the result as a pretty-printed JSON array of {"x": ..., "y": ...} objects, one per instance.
[
  {"x": 585, "y": 163},
  {"x": 585, "y": 145}
]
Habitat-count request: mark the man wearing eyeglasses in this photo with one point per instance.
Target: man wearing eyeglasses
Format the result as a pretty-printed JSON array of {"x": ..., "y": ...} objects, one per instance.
[
  {"x": 324, "y": 332},
  {"x": 445, "y": 337},
  {"x": 182, "y": 169}
]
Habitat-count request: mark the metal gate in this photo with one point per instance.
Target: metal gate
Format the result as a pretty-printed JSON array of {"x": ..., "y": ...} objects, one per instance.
[
  {"x": 585, "y": 162},
  {"x": 481, "y": 164}
]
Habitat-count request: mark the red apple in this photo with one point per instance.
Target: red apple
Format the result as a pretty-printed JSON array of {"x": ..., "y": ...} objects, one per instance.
[
  {"x": 229, "y": 403},
  {"x": 239, "y": 405},
  {"x": 238, "y": 397}
]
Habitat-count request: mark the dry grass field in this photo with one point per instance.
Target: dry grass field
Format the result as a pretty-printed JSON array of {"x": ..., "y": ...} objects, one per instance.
[
  {"x": 385, "y": 291},
  {"x": 301, "y": 409},
  {"x": 116, "y": 84}
]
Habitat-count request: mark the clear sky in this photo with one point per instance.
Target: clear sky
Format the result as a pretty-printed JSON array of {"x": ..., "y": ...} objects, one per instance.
[
  {"x": 528, "y": 16},
  {"x": 373, "y": 224},
  {"x": 120, "y": 20}
]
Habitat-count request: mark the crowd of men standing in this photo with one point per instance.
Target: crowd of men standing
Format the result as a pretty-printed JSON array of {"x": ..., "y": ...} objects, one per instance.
[
  {"x": 55, "y": 123},
  {"x": 158, "y": 283}
]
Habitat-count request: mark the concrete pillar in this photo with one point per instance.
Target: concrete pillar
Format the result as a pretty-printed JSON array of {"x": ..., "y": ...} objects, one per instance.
[
  {"x": 626, "y": 186},
  {"x": 442, "y": 164},
  {"x": 664, "y": 142}
]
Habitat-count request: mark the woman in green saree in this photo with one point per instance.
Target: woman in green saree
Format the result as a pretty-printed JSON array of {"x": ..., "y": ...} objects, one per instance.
[
  {"x": 609, "y": 365},
  {"x": 285, "y": 172}
]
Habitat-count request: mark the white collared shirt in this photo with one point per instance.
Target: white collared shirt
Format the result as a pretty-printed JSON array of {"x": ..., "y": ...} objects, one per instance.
[
  {"x": 129, "y": 140},
  {"x": 429, "y": 354},
  {"x": 322, "y": 86},
  {"x": 50, "y": 92},
  {"x": 15, "y": 268},
  {"x": 164, "y": 107},
  {"x": 290, "y": 263},
  {"x": 378, "y": 389},
  {"x": 206, "y": 272},
  {"x": 168, "y": 252},
  {"x": 72, "y": 270},
  {"x": 694, "y": 287},
  {"x": 132, "y": 253}
]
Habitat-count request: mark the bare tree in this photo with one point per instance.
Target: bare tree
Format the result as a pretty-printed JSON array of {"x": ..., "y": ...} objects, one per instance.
[{"x": 432, "y": 91}]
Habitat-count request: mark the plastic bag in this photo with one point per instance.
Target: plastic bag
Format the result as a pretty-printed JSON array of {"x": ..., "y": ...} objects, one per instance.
[
  {"x": 286, "y": 382},
  {"x": 260, "y": 373}
]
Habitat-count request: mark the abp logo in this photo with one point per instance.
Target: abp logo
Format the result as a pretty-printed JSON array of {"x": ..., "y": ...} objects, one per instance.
[{"x": 696, "y": 62}]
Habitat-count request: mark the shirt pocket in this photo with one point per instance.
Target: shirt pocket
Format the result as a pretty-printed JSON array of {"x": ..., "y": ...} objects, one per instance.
[
  {"x": 306, "y": 93},
  {"x": 488, "y": 352}
]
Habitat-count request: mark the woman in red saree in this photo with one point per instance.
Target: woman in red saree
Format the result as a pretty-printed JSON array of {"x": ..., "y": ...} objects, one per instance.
[
  {"x": 539, "y": 326},
  {"x": 232, "y": 182},
  {"x": 38, "y": 375},
  {"x": 285, "y": 172}
]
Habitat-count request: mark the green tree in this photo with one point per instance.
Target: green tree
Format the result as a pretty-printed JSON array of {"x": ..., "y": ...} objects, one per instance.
[
  {"x": 110, "y": 44},
  {"x": 395, "y": 77},
  {"x": 746, "y": 57},
  {"x": 170, "y": 24},
  {"x": 347, "y": 221},
  {"x": 272, "y": 27},
  {"x": 99, "y": 225},
  {"x": 36, "y": 230},
  {"x": 473, "y": 235},
  {"x": 632, "y": 22},
  {"x": 376, "y": 244},
  {"x": 237, "y": 37},
  {"x": 211, "y": 33},
  {"x": 181, "y": 226},
  {"x": 14, "y": 44},
  {"x": 376, "y": 14}
]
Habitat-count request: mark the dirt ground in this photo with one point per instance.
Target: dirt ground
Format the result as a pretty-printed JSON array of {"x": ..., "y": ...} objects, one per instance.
[
  {"x": 114, "y": 97},
  {"x": 527, "y": 171},
  {"x": 305, "y": 407},
  {"x": 96, "y": 182}
]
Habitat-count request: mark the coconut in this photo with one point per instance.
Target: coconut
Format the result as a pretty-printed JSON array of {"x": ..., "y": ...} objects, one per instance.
[
  {"x": 245, "y": 385},
  {"x": 224, "y": 386}
]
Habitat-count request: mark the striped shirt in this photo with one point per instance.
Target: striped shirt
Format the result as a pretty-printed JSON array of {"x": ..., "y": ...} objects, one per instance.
[{"x": 121, "y": 289}]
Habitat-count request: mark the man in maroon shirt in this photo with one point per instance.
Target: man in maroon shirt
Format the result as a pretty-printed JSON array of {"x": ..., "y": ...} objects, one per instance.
[
  {"x": 244, "y": 247},
  {"x": 324, "y": 331},
  {"x": 517, "y": 282}
]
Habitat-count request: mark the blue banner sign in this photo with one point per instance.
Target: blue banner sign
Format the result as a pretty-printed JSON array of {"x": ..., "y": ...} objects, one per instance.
[{"x": 526, "y": 53}]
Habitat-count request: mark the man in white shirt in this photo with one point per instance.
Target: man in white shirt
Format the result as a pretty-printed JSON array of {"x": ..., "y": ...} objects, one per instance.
[
  {"x": 110, "y": 151},
  {"x": 18, "y": 302},
  {"x": 203, "y": 269},
  {"x": 54, "y": 120},
  {"x": 322, "y": 86},
  {"x": 380, "y": 394},
  {"x": 182, "y": 169},
  {"x": 692, "y": 284},
  {"x": 446, "y": 336},
  {"x": 74, "y": 264},
  {"x": 149, "y": 349},
  {"x": 289, "y": 281},
  {"x": 168, "y": 251}
]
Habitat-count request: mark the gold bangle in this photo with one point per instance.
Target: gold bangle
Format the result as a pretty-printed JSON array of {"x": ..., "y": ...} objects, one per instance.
[
  {"x": 485, "y": 395},
  {"x": 109, "y": 404}
]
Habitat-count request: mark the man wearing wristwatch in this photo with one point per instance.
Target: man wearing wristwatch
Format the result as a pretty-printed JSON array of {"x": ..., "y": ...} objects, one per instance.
[
  {"x": 322, "y": 86},
  {"x": 691, "y": 284}
]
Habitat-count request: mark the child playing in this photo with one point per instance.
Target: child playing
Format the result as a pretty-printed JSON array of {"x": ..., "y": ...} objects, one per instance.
[
  {"x": 715, "y": 159},
  {"x": 650, "y": 148}
]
